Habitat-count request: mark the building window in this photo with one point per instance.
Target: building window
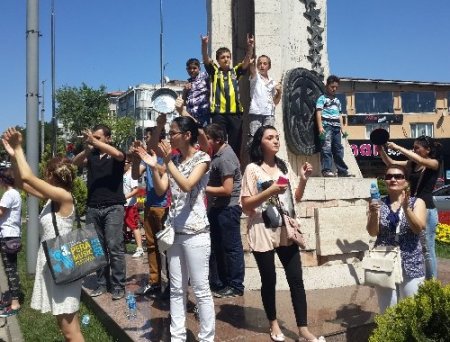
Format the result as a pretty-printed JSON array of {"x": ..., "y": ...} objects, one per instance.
[
  {"x": 372, "y": 103},
  {"x": 423, "y": 128},
  {"x": 371, "y": 127},
  {"x": 343, "y": 100},
  {"x": 418, "y": 101}
]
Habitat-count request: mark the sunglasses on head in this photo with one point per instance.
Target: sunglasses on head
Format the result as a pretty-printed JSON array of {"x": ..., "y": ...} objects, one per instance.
[{"x": 397, "y": 176}]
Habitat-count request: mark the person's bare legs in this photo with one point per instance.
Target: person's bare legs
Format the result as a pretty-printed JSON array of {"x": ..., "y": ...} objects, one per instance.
[
  {"x": 138, "y": 237},
  {"x": 70, "y": 327},
  {"x": 275, "y": 328}
]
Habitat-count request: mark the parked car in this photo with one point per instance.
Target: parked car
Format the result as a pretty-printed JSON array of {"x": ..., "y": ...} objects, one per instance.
[{"x": 441, "y": 198}]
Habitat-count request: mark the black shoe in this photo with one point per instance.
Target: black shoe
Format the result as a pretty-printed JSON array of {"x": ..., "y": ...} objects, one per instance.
[
  {"x": 118, "y": 294},
  {"x": 165, "y": 295},
  {"x": 346, "y": 175},
  {"x": 228, "y": 292},
  {"x": 98, "y": 291},
  {"x": 148, "y": 290}
]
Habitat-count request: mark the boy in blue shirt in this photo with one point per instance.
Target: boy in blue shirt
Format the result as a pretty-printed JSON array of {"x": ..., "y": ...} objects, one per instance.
[{"x": 328, "y": 115}]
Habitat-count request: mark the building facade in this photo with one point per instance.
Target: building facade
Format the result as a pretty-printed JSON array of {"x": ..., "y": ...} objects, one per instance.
[{"x": 406, "y": 109}]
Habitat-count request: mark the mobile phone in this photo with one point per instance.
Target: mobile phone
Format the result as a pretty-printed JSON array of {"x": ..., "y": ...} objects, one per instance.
[{"x": 282, "y": 180}]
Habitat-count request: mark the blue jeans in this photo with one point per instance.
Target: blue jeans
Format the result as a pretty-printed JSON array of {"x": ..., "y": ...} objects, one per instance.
[
  {"x": 227, "y": 266},
  {"x": 332, "y": 149},
  {"x": 108, "y": 222},
  {"x": 428, "y": 238}
]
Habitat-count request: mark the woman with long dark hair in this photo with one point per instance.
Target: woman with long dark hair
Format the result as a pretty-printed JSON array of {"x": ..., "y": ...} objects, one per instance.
[
  {"x": 187, "y": 176},
  {"x": 63, "y": 301},
  {"x": 423, "y": 170},
  {"x": 266, "y": 184}
]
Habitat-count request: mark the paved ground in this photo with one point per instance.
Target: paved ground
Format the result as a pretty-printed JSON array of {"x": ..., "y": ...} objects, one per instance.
[
  {"x": 9, "y": 327},
  {"x": 341, "y": 314}
]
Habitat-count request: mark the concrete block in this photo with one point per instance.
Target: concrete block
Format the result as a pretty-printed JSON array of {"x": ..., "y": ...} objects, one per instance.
[
  {"x": 267, "y": 6},
  {"x": 309, "y": 258},
  {"x": 320, "y": 277},
  {"x": 341, "y": 230},
  {"x": 314, "y": 190}
]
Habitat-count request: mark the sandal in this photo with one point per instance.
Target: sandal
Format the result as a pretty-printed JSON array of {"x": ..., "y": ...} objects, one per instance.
[{"x": 277, "y": 337}]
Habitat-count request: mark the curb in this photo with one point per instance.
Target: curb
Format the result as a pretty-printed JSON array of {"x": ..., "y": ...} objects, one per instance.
[
  {"x": 9, "y": 327},
  {"x": 110, "y": 325}
]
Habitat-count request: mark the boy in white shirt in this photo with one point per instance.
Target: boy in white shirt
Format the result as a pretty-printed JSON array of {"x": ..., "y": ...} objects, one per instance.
[
  {"x": 130, "y": 190},
  {"x": 265, "y": 94}
]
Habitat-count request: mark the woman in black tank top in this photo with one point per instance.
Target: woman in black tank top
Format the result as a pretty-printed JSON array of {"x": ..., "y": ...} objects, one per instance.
[{"x": 423, "y": 167}]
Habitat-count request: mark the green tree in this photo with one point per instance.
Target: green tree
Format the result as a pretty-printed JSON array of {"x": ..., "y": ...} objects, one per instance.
[
  {"x": 122, "y": 130},
  {"x": 81, "y": 108}
]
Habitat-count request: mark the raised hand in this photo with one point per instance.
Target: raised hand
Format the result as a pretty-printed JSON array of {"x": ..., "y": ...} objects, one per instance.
[
  {"x": 8, "y": 148},
  {"x": 406, "y": 196},
  {"x": 165, "y": 150},
  {"x": 147, "y": 157},
  {"x": 13, "y": 138},
  {"x": 204, "y": 39},
  {"x": 305, "y": 171},
  {"x": 392, "y": 146},
  {"x": 161, "y": 120},
  {"x": 179, "y": 104},
  {"x": 250, "y": 40},
  {"x": 88, "y": 137}
]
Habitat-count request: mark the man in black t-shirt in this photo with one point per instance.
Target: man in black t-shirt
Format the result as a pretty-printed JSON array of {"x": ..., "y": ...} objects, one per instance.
[{"x": 105, "y": 207}]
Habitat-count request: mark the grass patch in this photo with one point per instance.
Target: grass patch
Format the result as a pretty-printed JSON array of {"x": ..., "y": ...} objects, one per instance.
[
  {"x": 36, "y": 326},
  {"x": 443, "y": 250}
]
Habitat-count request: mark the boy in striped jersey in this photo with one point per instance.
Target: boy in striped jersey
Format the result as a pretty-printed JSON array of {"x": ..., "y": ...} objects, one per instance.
[{"x": 226, "y": 107}]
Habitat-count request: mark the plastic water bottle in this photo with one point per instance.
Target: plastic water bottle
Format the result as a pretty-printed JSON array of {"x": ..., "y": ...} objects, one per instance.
[
  {"x": 374, "y": 192},
  {"x": 85, "y": 320},
  {"x": 131, "y": 305}
]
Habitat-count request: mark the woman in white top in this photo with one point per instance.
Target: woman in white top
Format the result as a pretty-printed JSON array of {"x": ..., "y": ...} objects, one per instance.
[
  {"x": 265, "y": 94},
  {"x": 10, "y": 222},
  {"x": 62, "y": 300},
  {"x": 187, "y": 175}
]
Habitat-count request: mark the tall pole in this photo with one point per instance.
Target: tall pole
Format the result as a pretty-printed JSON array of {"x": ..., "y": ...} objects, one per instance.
[
  {"x": 161, "y": 65},
  {"x": 32, "y": 109},
  {"x": 43, "y": 117},
  {"x": 54, "y": 124}
]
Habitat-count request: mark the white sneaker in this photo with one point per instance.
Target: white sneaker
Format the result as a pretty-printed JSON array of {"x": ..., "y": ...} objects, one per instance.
[{"x": 138, "y": 253}]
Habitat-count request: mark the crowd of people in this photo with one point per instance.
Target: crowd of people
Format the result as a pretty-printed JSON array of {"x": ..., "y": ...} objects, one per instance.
[{"x": 194, "y": 186}]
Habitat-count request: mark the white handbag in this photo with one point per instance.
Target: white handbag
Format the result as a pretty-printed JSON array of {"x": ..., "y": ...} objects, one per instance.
[
  {"x": 383, "y": 264},
  {"x": 165, "y": 238}
]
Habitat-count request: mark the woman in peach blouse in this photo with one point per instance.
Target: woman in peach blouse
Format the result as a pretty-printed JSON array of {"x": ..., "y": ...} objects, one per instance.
[{"x": 267, "y": 182}]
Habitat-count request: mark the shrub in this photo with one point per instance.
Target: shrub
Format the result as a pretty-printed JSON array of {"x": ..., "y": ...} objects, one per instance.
[
  {"x": 443, "y": 233},
  {"x": 424, "y": 317},
  {"x": 80, "y": 194}
]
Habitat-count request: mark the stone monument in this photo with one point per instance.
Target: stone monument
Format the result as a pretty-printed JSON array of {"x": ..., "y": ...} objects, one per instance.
[{"x": 333, "y": 210}]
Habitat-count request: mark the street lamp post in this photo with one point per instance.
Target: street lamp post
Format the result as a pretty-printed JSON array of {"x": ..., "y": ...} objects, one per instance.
[{"x": 161, "y": 65}]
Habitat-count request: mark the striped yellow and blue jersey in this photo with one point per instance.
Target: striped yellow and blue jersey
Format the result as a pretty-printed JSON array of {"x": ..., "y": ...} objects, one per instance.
[{"x": 225, "y": 89}]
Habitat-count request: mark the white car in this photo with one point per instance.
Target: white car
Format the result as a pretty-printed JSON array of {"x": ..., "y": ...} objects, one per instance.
[{"x": 441, "y": 198}]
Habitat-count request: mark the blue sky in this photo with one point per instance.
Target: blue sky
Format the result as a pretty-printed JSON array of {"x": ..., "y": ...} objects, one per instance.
[{"x": 116, "y": 43}]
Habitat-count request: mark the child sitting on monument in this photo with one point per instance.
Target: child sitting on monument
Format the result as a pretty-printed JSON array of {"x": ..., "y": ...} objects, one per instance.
[
  {"x": 265, "y": 94},
  {"x": 226, "y": 108}
]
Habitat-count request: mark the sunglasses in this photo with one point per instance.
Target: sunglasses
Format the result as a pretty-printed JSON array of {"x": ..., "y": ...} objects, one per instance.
[{"x": 397, "y": 176}]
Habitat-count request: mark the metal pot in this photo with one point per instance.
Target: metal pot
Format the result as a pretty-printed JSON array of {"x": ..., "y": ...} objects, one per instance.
[{"x": 163, "y": 100}]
